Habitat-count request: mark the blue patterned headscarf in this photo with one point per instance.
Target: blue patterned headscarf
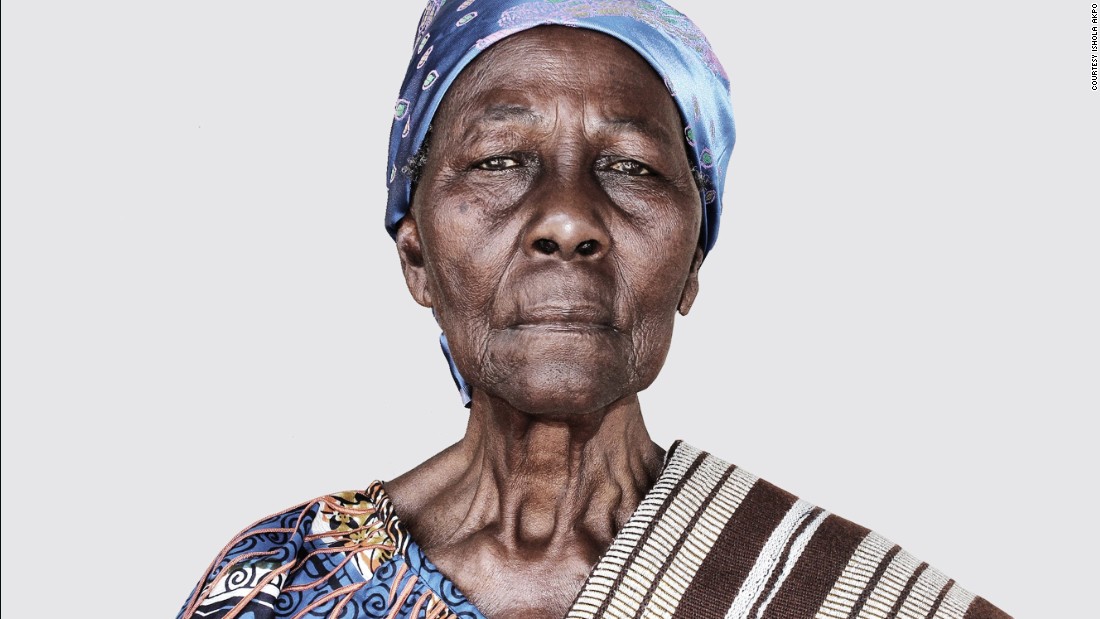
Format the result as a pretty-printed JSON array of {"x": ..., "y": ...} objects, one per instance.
[{"x": 451, "y": 34}]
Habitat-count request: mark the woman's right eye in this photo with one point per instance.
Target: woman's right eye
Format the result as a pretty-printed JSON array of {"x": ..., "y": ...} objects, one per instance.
[{"x": 499, "y": 162}]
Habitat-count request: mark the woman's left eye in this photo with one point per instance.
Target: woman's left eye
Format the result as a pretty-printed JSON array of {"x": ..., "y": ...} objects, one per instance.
[
  {"x": 629, "y": 166},
  {"x": 499, "y": 162}
]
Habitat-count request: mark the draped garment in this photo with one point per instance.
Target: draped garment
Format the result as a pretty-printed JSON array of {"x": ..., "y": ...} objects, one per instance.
[{"x": 708, "y": 541}]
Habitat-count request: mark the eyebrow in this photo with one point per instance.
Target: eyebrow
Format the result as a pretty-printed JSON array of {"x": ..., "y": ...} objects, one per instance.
[
  {"x": 510, "y": 111},
  {"x": 499, "y": 114},
  {"x": 638, "y": 125}
]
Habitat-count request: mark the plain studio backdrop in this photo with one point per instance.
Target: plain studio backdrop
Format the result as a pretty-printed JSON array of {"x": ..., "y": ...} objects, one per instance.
[{"x": 204, "y": 321}]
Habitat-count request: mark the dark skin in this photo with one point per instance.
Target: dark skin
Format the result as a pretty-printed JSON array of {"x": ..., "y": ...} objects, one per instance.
[{"x": 555, "y": 232}]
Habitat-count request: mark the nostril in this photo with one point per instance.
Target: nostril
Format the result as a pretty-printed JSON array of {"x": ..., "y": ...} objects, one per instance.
[
  {"x": 589, "y": 247},
  {"x": 546, "y": 246}
]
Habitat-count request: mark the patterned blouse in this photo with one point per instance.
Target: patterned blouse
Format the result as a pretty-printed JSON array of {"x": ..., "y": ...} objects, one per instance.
[{"x": 345, "y": 555}]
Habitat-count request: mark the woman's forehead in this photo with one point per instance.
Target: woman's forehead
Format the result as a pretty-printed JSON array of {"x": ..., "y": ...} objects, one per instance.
[
  {"x": 555, "y": 55},
  {"x": 527, "y": 77}
]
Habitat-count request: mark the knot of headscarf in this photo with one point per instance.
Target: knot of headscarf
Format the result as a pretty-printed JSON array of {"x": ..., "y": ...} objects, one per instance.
[{"x": 451, "y": 34}]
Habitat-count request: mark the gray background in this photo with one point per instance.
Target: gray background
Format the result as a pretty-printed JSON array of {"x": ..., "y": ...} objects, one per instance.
[{"x": 204, "y": 322}]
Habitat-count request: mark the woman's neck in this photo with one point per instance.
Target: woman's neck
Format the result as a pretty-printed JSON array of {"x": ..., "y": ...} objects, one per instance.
[
  {"x": 519, "y": 510},
  {"x": 541, "y": 480},
  {"x": 530, "y": 482}
]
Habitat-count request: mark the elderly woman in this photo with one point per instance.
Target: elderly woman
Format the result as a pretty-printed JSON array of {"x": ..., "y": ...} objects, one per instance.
[{"x": 553, "y": 192}]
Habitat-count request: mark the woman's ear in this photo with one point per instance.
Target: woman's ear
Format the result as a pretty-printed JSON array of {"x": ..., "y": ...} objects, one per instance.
[
  {"x": 691, "y": 287},
  {"x": 412, "y": 260}
]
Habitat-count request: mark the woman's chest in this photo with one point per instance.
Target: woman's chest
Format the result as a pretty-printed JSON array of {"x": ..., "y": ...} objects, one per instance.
[{"x": 538, "y": 584}]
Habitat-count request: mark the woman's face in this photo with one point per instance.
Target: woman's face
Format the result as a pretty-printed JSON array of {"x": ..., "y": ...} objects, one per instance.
[{"x": 555, "y": 226}]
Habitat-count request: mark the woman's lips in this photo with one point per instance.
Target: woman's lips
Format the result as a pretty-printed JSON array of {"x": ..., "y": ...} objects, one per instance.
[
  {"x": 564, "y": 318},
  {"x": 562, "y": 326}
]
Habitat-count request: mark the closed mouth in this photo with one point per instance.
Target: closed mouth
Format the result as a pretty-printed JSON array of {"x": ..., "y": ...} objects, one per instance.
[
  {"x": 565, "y": 318},
  {"x": 563, "y": 325}
]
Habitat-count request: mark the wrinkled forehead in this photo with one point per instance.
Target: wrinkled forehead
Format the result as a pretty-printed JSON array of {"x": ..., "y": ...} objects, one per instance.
[
  {"x": 546, "y": 50},
  {"x": 529, "y": 76}
]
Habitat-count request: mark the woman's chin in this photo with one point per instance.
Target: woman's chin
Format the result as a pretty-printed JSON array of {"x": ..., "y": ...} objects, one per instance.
[{"x": 565, "y": 389}]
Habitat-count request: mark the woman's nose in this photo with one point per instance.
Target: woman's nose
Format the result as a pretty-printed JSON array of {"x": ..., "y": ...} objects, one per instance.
[{"x": 568, "y": 226}]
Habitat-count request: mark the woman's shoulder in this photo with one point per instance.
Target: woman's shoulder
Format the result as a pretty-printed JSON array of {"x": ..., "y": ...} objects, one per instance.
[
  {"x": 765, "y": 546},
  {"x": 297, "y": 556}
]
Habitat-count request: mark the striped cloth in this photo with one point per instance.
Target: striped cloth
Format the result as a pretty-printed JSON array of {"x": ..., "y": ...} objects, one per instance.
[{"x": 711, "y": 540}]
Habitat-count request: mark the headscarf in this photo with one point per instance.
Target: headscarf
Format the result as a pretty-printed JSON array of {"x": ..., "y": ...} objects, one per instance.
[{"x": 451, "y": 34}]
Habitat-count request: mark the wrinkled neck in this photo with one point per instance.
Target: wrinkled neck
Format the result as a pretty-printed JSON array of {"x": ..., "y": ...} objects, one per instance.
[{"x": 539, "y": 481}]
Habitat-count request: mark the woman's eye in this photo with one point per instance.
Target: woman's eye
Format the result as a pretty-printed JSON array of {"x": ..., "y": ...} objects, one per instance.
[
  {"x": 631, "y": 167},
  {"x": 497, "y": 163}
]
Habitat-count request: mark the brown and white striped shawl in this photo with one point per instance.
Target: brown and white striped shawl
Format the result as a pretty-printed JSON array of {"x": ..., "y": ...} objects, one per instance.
[{"x": 711, "y": 540}]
